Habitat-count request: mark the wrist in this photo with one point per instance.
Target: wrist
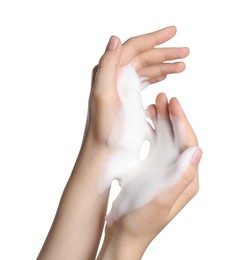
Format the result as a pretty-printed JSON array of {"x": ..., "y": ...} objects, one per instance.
[{"x": 114, "y": 248}]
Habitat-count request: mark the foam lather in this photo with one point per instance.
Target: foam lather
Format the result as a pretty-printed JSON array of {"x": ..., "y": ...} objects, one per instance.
[{"x": 141, "y": 180}]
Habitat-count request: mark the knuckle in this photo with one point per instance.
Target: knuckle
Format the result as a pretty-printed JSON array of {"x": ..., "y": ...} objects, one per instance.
[
  {"x": 162, "y": 69},
  {"x": 188, "y": 177},
  {"x": 130, "y": 41},
  {"x": 98, "y": 98},
  {"x": 192, "y": 192},
  {"x": 195, "y": 189},
  {"x": 102, "y": 61},
  {"x": 196, "y": 186},
  {"x": 103, "y": 98},
  {"x": 163, "y": 201}
]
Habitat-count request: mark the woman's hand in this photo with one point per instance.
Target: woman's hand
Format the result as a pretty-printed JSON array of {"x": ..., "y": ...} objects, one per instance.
[
  {"x": 136, "y": 229},
  {"x": 78, "y": 224},
  {"x": 149, "y": 63}
]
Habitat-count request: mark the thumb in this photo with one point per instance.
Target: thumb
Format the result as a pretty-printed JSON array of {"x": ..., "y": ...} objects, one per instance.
[
  {"x": 188, "y": 162},
  {"x": 183, "y": 173},
  {"x": 106, "y": 76}
]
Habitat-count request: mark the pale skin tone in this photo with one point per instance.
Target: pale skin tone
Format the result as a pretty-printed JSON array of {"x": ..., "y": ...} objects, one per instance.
[
  {"x": 79, "y": 221},
  {"x": 137, "y": 229}
]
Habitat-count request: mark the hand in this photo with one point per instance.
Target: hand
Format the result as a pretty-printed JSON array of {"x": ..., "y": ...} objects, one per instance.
[
  {"x": 138, "y": 228},
  {"x": 79, "y": 220},
  {"x": 149, "y": 63}
]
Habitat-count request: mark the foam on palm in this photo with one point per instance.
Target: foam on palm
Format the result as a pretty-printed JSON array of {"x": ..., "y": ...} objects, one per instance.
[{"x": 140, "y": 180}]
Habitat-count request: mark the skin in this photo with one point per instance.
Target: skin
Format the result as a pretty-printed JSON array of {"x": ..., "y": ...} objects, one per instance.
[
  {"x": 137, "y": 229},
  {"x": 78, "y": 224}
]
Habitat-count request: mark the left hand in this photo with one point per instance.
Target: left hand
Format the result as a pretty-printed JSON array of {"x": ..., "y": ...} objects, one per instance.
[{"x": 137, "y": 228}]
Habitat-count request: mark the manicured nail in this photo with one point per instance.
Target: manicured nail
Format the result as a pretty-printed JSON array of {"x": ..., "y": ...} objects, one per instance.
[
  {"x": 197, "y": 157},
  {"x": 112, "y": 44}
]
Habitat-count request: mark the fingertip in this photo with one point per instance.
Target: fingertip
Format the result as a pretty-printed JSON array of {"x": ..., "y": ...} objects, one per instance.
[
  {"x": 113, "y": 43},
  {"x": 173, "y": 28},
  {"x": 169, "y": 31},
  {"x": 183, "y": 130},
  {"x": 181, "y": 66},
  {"x": 162, "y": 106},
  {"x": 186, "y": 51},
  {"x": 175, "y": 108},
  {"x": 112, "y": 54},
  {"x": 161, "y": 98},
  {"x": 196, "y": 158},
  {"x": 188, "y": 162},
  {"x": 151, "y": 111}
]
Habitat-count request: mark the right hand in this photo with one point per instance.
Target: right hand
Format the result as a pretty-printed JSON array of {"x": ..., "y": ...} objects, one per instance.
[{"x": 149, "y": 62}]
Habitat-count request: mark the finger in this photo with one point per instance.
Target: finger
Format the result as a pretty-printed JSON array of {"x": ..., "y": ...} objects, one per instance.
[
  {"x": 106, "y": 76},
  {"x": 141, "y": 43},
  {"x": 182, "y": 175},
  {"x": 159, "y": 55},
  {"x": 190, "y": 180},
  {"x": 151, "y": 118},
  {"x": 184, "y": 133},
  {"x": 147, "y": 81},
  {"x": 155, "y": 71},
  {"x": 162, "y": 106},
  {"x": 185, "y": 197},
  {"x": 187, "y": 165},
  {"x": 151, "y": 113}
]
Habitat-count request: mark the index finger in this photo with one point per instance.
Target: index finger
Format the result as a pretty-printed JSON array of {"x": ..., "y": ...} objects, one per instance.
[
  {"x": 186, "y": 137},
  {"x": 144, "y": 42}
]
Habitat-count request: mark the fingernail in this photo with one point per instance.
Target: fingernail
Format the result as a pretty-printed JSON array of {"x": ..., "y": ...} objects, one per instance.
[
  {"x": 112, "y": 44},
  {"x": 197, "y": 157}
]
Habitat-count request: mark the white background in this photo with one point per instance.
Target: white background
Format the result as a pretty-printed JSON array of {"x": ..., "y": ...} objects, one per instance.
[{"x": 47, "y": 51}]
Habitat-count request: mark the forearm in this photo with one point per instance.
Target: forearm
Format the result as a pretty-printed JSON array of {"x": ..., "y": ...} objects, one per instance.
[{"x": 78, "y": 224}]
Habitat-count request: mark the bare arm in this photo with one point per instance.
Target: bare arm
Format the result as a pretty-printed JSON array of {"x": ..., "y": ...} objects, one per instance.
[{"x": 78, "y": 224}]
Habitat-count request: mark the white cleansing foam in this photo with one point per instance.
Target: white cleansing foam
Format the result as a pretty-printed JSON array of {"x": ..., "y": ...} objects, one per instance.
[
  {"x": 142, "y": 180},
  {"x": 128, "y": 132}
]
